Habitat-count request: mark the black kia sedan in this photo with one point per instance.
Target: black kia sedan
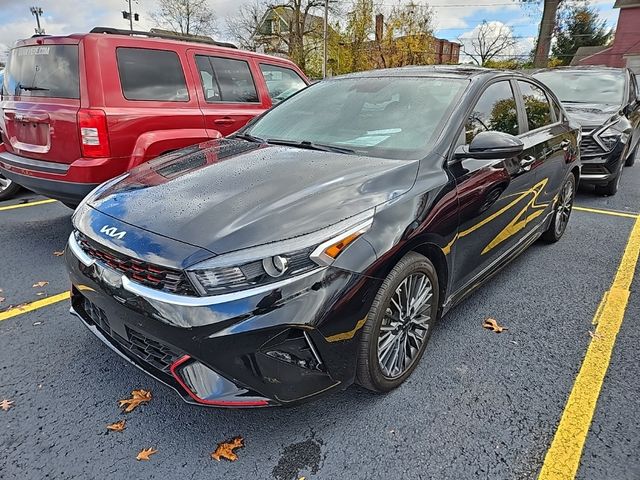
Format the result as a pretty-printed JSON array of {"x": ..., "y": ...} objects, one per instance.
[
  {"x": 319, "y": 246},
  {"x": 606, "y": 103}
]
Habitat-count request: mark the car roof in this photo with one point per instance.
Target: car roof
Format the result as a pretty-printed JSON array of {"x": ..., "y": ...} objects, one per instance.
[
  {"x": 594, "y": 68},
  {"x": 460, "y": 71}
]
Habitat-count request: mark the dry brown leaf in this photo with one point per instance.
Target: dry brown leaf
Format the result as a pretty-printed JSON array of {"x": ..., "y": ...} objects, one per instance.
[
  {"x": 118, "y": 426},
  {"x": 226, "y": 449},
  {"x": 137, "y": 397},
  {"x": 21, "y": 307},
  {"x": 40, "y": 284},
  {"x": 594, "y": 335},
  {"x": 2, "y": 299},
  {"x": 58, "y": 254},
  {"x": 6, "y": 404},
  {"x": 39, "y": 294},
  {"x": 491, "y": 324},
  {"x": 145, "y": 453}
]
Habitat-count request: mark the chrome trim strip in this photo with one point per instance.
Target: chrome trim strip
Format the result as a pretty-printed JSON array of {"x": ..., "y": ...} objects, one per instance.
[
  {"x": 78, "y": 252},
  {"x": 313, "y": 348},
  {"x": 27, "y": 163},
  {"x": 322, "y": 258},
  {"x": 184, "y": 301},
  {"x": 594, "y": 176}
]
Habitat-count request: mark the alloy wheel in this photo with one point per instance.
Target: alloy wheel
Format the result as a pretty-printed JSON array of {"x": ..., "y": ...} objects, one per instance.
[
  {"x": 565, "y": 204},
  {"x": 5, "y": 183},
  {"x": 405, "y": 325}
]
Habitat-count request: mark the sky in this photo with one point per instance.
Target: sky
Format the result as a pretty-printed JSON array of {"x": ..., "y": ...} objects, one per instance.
[{"x": 454, "y": 19}]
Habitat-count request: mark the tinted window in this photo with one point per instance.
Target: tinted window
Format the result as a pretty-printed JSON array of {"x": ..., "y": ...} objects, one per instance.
[
  {"x": 151, "y": 75},
  {"x": 584, "y": 86},
  {"x": 536, "y": 105},
  {"x": 43, "y": 71},
  {"x": 495, "y": 110},
  {"x": 281, "y": 82},
  {"x": 226, "y": 80},
  {"x": 391, "y": 117}
]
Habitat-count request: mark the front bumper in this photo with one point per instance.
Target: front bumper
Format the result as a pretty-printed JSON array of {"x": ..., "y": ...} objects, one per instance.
[
  {"x": 278, "y": 347},
  {"x": 599, "y": 167}
]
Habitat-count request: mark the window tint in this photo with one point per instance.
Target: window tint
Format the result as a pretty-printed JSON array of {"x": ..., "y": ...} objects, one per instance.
[
  {"x": 495, "y": 110},
  {"x": 226, "y": 80},
  {"x": 43, "y": 71},
  {"x": 536, "y": 105},
  {"x": 281, "y": 82},
  {"x": 151, "y": 75}
]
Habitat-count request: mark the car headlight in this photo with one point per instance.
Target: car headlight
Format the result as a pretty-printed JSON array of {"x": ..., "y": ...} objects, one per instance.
[
  {"x": 611, "y": 133},
  {"x": 279, "y": 261}
]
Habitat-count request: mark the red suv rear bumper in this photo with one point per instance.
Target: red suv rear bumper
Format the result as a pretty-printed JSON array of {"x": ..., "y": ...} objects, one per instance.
[{"x": 64, "y": 182}]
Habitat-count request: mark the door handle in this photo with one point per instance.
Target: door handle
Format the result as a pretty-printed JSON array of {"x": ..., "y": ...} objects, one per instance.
[
  {"x": 527, "y": 162},
  {"x": 224, "y": 121}
]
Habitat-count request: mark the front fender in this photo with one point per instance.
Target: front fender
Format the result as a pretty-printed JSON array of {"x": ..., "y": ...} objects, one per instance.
[{"x": 151, "y": 144}]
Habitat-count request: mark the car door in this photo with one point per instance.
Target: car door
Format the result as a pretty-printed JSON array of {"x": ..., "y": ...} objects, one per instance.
[
  {"x": 496, "y": 197},
  {"x": 229, "y": 95},
  {"x": 554, "y": 140}
]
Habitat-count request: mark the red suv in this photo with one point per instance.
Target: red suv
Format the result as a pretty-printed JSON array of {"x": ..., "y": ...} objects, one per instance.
[{"x": 81, "y": 109}]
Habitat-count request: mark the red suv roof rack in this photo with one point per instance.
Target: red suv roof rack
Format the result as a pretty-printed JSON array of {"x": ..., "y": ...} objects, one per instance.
[{"x": 166, "y": 34}]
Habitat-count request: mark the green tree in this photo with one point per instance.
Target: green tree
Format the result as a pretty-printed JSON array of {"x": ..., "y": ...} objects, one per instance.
[{"x": 580, "y": 26}]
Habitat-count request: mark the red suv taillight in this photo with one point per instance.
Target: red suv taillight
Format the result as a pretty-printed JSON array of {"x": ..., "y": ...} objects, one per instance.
[{"x": 94, "y": 139}]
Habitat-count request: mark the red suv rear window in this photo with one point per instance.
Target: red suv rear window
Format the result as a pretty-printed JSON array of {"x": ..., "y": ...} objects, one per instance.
[{"x": 43, "y": 71}]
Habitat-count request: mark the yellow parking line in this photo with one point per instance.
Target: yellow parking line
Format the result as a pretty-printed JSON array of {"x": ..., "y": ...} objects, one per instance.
[
  {"x": 29, "y": 307},
  {"x": 607, "y": 212},
  {"x": 28, "y": 204},
  {"x": 563, "y": 457}
]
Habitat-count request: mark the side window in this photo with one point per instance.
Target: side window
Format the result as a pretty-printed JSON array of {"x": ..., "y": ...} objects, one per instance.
[
  {"x": 495, "y": 110},
  {"x": 151, "y": 75},
  {"x": 226, "y": 80},
  {"x": 281, "y": 82},
  {"x": 536, "y": 105}
]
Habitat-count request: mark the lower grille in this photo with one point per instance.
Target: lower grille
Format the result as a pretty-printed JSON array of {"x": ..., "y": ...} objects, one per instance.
[
  {"x": 147, "y": 350},
  {"x": 594, "y": 169}
]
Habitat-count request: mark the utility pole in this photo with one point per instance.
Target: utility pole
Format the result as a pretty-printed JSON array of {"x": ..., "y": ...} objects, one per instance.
[
  {"x": 129, "y": 15},
  {"x": 37, "y": 11},
  {"x": 325, "y": 38}
]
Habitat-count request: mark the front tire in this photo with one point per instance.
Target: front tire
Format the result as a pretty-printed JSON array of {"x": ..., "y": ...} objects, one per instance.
[
  {"x": 399, "y": 324},
  {"x": 562, "y": 212},
  {"x": 8, "y": 188}
]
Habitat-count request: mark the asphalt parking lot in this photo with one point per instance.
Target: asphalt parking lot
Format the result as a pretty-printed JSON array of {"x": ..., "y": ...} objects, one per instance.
[{"x": 480, "y": 405}]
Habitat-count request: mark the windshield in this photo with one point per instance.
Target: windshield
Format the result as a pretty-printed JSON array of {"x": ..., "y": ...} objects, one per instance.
[
  {"x": 43, "y": 71},
  {"x": 390, "y": 117},
  {"x": 583, "y": 86}
]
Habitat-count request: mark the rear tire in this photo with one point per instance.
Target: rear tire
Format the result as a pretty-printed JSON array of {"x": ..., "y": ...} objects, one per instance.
[
  {"x": 562, "y": 212},
  {"x": 399, "y": 324},
  {"x": 8, "y": 188}
]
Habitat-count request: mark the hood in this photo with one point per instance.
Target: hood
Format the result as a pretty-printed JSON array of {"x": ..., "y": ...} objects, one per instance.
[
  {"x": 226, "y": 195},
  {"x": 591, "y": 114}
]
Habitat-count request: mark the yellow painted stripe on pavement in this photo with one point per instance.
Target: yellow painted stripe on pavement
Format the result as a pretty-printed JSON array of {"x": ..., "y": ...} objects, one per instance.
[
  {"x": 563, "y": 457},
  {"x": 28, "y": 204},
  {"x": 607, "y": 212},
  {"x": 29, "y": 307}
]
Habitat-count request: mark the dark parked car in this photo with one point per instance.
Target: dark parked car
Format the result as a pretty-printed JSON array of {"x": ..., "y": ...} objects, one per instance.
[
  {"x": 80, "y": 109},
  {"x": 318, "y": 246},
  {"x": 606, "y": 102}
]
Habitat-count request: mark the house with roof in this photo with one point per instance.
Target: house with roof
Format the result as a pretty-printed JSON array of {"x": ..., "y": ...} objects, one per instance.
[{"x": 625, "y": 49}]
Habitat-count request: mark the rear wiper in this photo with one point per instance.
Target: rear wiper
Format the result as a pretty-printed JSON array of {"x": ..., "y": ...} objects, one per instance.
[
  {"x": 310, "y": 146},
  {"x": 32, "y": 88},
  {"x": 248, "y": 137}
]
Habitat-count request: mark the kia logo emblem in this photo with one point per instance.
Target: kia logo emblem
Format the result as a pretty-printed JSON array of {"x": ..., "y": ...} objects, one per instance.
[{"x": 113, "y": 232}]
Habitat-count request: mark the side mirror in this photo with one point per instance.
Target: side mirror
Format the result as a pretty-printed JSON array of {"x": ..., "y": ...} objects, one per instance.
[{"x": 490, "y": 145}]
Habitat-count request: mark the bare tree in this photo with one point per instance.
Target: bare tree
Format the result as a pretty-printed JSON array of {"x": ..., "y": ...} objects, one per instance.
[
  {"x": 488, "y": 40},
  {"x": 244, "y": 25},
  {"x": 188, "y": 17}
]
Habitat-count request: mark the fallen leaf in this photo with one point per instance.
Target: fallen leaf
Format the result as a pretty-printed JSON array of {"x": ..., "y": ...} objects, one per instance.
[
  {"x": 594, "y": 335},
  {"x": 137, "y": 397},
  {"x": 491, "y": 324},
  {"x": 226, "y": 449},
  {"x": 40, "y": 284},
  {"x": 58, "y": 254},
  {"x": 21, "y": 307},
  {"x": 145, "y": 453},
  {"x": 117, "y": 427},
  {"x": 6, "y": 404},
  {"x": 2, "y": 299},
  {"x": 35, "y": 324},
  {"x": 39, "y": 294}
]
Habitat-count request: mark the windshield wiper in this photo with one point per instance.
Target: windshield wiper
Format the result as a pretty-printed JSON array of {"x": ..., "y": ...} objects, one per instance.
[
  {"x": 249, "y": 138},
  {"x": 311, "y": 146},
  {"x": 32, "y": 88}
]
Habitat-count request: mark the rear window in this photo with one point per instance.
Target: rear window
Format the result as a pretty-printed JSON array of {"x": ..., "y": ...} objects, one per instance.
[
  {"x": 151, "y": 75},
  {"x": 43, "y": 71}
]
